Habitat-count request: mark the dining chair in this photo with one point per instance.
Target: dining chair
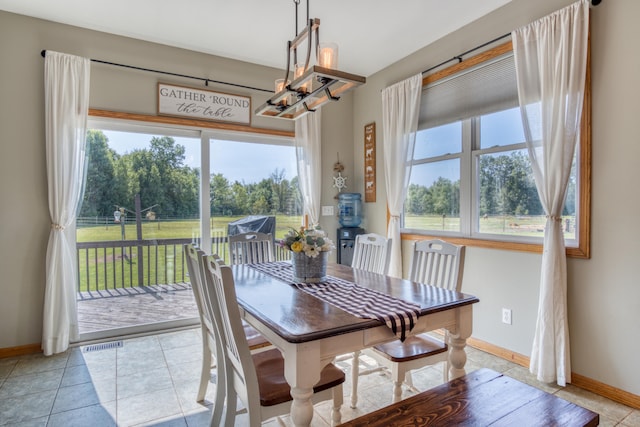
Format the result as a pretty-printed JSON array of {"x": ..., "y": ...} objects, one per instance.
[
  {"x": 258, "y": 379},
  {"x": 433, "y": 262},
  {"x": 194, "y": 258},
  {"x": 371, "y": 252},
  {"x": 211, "y": 345},
  {"x": 251, "y": 247}
]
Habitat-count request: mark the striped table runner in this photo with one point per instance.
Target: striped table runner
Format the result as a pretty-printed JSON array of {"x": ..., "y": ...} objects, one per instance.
[{"x": 400, "y": 316}]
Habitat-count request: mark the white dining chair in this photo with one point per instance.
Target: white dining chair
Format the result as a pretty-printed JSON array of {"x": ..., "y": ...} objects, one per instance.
[
  {"x": 371, "y": 252},
  {"x": 251, "y": 247},
  {"x": 436, "y": 263},
  {"x": 258, "y": 379},
  {"x": 210, "y": 341},
  {"x": 194, "y": 261}
]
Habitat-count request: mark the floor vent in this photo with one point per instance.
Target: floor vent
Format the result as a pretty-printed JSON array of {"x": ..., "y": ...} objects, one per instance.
[{"x": 102, "y": 346}]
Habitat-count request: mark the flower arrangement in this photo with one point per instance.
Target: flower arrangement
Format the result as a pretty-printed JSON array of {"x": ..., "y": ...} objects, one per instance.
[{"x": 311, "y": 241}]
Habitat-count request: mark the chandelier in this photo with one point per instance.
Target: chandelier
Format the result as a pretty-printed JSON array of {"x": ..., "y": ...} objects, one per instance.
[{"x": 313, "y": 84}]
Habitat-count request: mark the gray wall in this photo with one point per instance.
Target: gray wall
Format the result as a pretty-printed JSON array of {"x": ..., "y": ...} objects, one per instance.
[
  {"x": 24, "y": 219},
  {"x": 604, "y": 296},
  {"x": 604, "y": 291}
]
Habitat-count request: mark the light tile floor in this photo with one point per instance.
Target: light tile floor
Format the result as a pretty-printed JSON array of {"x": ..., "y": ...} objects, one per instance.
[{"x": 153, "y": 380}]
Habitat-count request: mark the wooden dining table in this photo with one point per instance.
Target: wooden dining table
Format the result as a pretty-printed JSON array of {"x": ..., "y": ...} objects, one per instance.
[{"x": 310, "y": 333}]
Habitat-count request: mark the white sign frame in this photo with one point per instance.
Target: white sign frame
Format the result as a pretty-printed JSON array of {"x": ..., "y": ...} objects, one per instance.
[{"x": 182, "y": 101}]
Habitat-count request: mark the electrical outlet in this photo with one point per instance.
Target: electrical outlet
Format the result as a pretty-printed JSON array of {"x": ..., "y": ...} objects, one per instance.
[
  {"x": 327, "y": 211},
  {"x": 506, "y": 316}
]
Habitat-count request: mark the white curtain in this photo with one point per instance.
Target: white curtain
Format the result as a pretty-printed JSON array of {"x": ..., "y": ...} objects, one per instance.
[
  {"x": 400, "y": 109},
  {"x": 309, "y": 156},
  {"x": 66, "y": 108},
  {"x": 551, "y": 57}
]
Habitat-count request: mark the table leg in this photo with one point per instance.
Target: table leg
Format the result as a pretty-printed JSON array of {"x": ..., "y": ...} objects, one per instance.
[
  {"x": 302, "y": 407},
  {"x": 458, "y": 340},
  {"x": 302, "y": 370},
  {"x": 457, "y": 356}
]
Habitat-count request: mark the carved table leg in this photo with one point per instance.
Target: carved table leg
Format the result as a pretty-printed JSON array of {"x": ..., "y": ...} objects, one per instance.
[
  {"x": 458, "y": 340},
  {"x": 457, "y": 356},
  {"x": 302, "y": 366},
  {"x": 302, "y": 407}
]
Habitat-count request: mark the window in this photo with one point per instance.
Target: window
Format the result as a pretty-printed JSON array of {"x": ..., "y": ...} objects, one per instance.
[
  {"x": 471, "y": 178},
  {"x": 433, "y": 196}
]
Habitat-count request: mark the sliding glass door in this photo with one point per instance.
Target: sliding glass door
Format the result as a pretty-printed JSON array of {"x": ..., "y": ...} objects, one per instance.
[{"x": 150, "y": 190}]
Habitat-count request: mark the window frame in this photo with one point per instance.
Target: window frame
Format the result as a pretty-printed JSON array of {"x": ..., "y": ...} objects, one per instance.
[{"x": 469, "y": 238}]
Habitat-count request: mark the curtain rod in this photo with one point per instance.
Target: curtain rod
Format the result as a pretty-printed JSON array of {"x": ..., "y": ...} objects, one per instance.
[
  {"x": 459, "y": 57},
  {"x": 203, "y": 79},
  {"x": 504, "y": 36}
]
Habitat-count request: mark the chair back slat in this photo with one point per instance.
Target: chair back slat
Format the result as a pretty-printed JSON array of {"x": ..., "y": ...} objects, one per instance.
[
  {"x": 251, "y": 248},
  {"x": 371, "y": 252},
  {"x": 437, "y": 263}
]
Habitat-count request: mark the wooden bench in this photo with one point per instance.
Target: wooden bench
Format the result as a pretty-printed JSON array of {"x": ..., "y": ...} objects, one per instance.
[{"x": 481, "y": 398}]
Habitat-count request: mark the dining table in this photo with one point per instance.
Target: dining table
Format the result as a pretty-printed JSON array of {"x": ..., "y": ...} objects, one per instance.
[{"x": 311, "y": 332}]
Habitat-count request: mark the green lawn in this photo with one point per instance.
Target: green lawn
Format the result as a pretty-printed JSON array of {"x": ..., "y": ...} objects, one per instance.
[{"x": 506, "y": 225}]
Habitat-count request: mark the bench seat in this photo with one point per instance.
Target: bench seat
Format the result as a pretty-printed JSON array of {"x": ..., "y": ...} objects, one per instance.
[{"x": 480, "y": 398}]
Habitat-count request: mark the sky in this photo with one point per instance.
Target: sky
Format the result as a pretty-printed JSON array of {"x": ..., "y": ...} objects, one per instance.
[
  {"x": 496, "y": 129},
  {"x": 237, "y": 161}
]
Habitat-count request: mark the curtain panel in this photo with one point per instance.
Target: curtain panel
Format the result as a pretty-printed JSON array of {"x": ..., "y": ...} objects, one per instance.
[
  {"x": 400, "y": 110},
  {"x": 551, "y": 60},
  {"x": 66, "y": 109},
  {"x": 308, "y": 156}
]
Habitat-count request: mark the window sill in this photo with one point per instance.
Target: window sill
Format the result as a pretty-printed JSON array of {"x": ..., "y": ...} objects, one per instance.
[{"x": 572, "y": 252}]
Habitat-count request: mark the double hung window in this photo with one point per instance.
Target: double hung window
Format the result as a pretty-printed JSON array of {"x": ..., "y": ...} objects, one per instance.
[{"x": 471, "y": 178}]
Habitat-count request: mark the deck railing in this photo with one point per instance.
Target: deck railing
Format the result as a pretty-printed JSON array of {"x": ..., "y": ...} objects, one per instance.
[{"x": 131, "y": 263}]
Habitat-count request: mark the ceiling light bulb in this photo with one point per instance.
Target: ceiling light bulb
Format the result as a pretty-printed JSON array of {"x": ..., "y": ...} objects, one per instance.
[{"x": 328, "y": 55}]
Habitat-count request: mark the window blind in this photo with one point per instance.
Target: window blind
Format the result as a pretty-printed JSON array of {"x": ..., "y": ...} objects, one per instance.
[{"x": 486, "y": 88}]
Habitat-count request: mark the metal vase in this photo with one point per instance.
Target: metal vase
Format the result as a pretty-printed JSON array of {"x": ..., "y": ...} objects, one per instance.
[{"x": 307, "y": 269}]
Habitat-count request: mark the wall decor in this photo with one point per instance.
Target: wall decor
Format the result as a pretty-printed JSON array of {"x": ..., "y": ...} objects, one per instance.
[
  {"x": 370, "y": 162},
  {"x": 203, "y": 104},
  {"x": 339, "y": 181}
]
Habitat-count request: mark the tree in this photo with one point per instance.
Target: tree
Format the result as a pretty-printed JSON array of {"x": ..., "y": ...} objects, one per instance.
[
  {"x": 98, "y": 198},
  {"x": 445, "y": 197},
  {"x": 261, "y": 198},
  {"x": 417, "y": 199},
  {"x": 159, "y": 175},
  {"x": 241, "y": 198},
  {"x": 220, "y": 196},
  {"x": 280, "y": 190},
  {"x": 507, "y": 186}
]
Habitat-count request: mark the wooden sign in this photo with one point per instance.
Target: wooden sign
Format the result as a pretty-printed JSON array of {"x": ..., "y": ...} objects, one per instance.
[
  {"x": 370, "y": 162},
  {"x": 203, "y": 104}
]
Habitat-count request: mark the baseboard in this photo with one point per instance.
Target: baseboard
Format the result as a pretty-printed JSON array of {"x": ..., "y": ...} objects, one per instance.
[
  {"x": 502, "y": 353},
  {"x": 601, "y": 389},
  {"x": 20, "y": 350},
  {"x": 605, "y": 390}
]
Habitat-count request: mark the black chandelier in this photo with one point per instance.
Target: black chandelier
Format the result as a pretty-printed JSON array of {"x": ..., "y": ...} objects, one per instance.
[{"x": 313, "y": 85}]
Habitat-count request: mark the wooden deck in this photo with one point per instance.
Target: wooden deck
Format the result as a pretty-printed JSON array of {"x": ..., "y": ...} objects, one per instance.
[{"x": 117, "y": 308}]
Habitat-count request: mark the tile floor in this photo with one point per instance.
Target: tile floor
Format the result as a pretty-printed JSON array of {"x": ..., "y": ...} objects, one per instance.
[{"x": 153, "y": 380}]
